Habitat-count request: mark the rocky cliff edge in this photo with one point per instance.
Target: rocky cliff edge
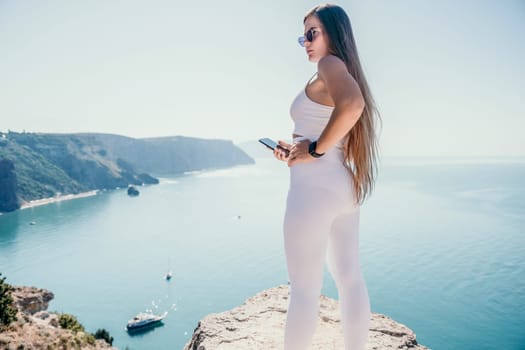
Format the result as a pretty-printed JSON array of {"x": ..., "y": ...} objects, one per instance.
[
  {"x": 37, "y": 328},
  {"x": 259, "y": 324}
]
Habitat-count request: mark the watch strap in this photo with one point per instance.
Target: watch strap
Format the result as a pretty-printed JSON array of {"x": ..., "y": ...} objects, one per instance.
[{"x": 311, "y": 150}]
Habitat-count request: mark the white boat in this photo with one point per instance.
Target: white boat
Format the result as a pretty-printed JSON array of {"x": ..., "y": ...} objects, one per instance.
[{"x": 144, "y": 319}]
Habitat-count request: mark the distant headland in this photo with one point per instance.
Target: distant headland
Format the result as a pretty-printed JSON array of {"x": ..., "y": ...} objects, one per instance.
[{"x": 38, "y": 168}]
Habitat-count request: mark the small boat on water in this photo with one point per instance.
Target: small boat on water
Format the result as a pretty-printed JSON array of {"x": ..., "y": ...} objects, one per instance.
[
  {"x": 168, "y": 275},
  {"x": 144, "y": 320}
]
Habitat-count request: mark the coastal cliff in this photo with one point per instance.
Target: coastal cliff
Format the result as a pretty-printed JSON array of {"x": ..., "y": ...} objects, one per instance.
[
  {"x": 38, "y": 166},
  {"x": 35, "y": 166},
  {"x": 259, "y": 324},
  {"x": 8, "y": 185},
  {"x": 173, "y": 154},
  {"x": 36, "y": 328}
]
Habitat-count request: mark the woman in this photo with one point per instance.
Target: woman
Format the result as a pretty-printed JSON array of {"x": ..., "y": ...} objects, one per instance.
[{"x": 332, "y": 169}]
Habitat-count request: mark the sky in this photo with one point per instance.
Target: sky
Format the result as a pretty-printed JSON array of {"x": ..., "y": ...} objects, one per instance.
[{"x": 448, "y": 76}]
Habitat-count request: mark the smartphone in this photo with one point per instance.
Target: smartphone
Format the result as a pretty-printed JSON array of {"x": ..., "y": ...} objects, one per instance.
[{"x": 271, "y": 144}]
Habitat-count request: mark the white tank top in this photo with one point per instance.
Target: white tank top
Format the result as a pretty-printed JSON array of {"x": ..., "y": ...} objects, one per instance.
[{"x": 310, "y": 117}]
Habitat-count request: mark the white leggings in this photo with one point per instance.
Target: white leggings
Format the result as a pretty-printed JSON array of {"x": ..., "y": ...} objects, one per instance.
[{"x": 322, "y": 217}]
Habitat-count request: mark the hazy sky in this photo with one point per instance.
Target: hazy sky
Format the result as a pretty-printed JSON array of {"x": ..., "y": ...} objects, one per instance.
[{"x": 448, "y": 76}]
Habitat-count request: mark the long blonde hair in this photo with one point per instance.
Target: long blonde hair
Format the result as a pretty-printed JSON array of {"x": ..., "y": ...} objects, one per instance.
[{"x": 361, "y": 146}]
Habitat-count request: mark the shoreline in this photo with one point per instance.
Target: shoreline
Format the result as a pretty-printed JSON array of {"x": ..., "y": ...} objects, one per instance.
[{"x": 56, "y": 199}]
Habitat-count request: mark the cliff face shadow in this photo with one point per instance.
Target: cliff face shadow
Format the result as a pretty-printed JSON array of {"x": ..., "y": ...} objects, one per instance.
[
  {"x": 9, "y": 226},
  {"x": 143, "y": 330}
]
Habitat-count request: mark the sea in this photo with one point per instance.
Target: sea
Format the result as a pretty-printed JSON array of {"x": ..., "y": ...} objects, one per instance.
[{"x": 442, "y": 250}]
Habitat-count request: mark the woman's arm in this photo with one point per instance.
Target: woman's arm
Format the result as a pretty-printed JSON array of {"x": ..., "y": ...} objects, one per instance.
[
  {"x": 348, "y": 106},
  {"x": 347, "y": 97}
]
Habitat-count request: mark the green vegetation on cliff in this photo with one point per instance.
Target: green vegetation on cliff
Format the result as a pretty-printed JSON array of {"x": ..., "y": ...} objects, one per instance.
[
  {"x": 8, "y": 186},
  {"x": 103, "y": 334},
  {"x": 7, "y": 310},
  {"x": 35, "y": 166},
  {"x": 37, "y": 177}
]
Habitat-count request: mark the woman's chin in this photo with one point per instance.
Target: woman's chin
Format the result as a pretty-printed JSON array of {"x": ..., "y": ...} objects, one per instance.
[{"x": 313, "y": 58}]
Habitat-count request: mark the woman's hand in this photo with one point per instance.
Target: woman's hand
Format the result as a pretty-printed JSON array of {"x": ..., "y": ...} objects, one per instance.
[
  {"x": 282, "y": 152},
  {"x": 299, "y": 153}
]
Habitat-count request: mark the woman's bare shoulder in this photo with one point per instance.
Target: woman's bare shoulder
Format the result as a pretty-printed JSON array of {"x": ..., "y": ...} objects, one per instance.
[
  {"x": 338, "y": 81},
  {"x": 331, "y": 63}
]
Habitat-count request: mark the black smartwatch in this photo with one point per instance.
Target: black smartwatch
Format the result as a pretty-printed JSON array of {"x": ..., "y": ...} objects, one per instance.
[{"x": 313, "y": 153}]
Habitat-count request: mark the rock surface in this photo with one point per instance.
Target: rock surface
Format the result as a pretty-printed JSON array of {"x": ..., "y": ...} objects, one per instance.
[
  {"x": 38, "y": 329},
  {"x": 31, "y": 300},
  {"x": 259, "y": 324}
]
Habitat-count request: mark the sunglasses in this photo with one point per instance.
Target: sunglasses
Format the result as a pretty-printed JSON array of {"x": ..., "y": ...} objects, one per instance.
[{"x": 308, "y": 37}]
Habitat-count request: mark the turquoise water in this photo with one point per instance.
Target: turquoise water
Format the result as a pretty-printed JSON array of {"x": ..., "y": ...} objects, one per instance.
[{"x": 442, "y": 250}]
